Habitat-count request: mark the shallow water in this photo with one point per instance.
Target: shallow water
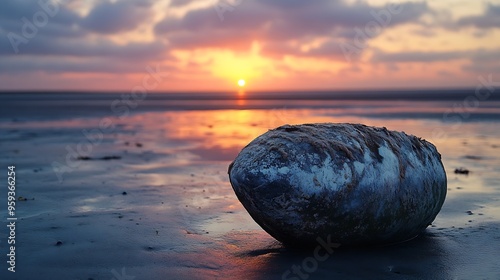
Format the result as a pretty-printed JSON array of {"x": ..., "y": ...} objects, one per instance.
[{"x": 180, "y": 218}]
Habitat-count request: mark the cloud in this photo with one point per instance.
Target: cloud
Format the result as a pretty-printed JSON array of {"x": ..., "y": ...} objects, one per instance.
[
  {"x": 107, "y": 37},
  {"x": 280, "y": 20},
  {"x": 484, "y": 61},
  {"x": 280, "y": 23},
  {"x": 482, "y": 68},
  {"x": 82, "y": 47},
  {"x": 416, "y": 56},
  {"x": 477, "y": 61},
  {"x": 207, "y": 20},
  {"x": 14, "y": 10},
  {"x": 70, "y": 46},
  {"x": 330, "y": 49},
  {"x": 67, "y": 65},
  {"x": 490, "y": 18},
  {"x": 50, "y": 20},
  {"x": 116, "y": 17},
  {"x": 179, "y": 3}
]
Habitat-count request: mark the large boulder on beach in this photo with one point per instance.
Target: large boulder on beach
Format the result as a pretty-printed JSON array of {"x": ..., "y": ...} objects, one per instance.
[{"x": 350, "y": 184}]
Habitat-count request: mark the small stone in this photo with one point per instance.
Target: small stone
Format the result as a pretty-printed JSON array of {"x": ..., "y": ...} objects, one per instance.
[
  {"x": 473, "y": 157},
  {"x": 59, "y": 243},
  {"x": 110, "y": 157},
  {"x": 124, "y": 193},
  {"x": 83, "y": 158},
  {"x": 462, "y": 171},
  {"x": 469, "y": 212}
]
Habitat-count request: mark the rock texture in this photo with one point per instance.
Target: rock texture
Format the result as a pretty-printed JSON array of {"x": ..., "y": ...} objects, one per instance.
[{"x": 349, "y": 183}]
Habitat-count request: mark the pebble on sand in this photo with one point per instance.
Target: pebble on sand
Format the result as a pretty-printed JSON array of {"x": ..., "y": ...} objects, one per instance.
[
  {"x": 462, "y": 171},
  {"x": 346, "y": 183}
]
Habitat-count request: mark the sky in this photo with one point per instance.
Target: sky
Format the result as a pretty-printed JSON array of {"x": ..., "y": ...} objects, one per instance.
[{"x": 209, "y": 45}]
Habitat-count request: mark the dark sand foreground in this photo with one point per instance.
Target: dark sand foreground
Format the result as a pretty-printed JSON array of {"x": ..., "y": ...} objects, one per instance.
[{"x": 150, "y": 199}]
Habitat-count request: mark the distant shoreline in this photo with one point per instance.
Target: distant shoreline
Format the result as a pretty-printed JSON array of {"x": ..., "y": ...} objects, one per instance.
[{"x": 404, "y": 94}]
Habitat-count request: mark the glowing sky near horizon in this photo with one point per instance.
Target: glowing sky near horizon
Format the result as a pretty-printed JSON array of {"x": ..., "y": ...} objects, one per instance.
[{"x": 211, "y": 45}]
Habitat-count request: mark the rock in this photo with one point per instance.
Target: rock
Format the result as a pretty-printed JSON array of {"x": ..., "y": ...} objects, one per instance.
[
  {"x": 110, "y": 157},
  {"x": 346, "y": 183},
  {"x": 83, "y": 158},
  {"x": 473, "y": 157},
  {"x": 462, "y": 171}
]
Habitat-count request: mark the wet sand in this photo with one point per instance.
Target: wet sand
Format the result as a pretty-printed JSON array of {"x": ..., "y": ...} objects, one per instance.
[{"x": 152, "y": 199}]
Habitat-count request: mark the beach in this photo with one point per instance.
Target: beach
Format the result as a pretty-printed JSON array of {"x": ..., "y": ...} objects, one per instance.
[{"x": 140, "y": 190}]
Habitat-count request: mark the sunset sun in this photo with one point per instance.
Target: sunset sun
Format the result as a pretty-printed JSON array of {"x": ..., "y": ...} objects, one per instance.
[{"x": 241, "y": 83}]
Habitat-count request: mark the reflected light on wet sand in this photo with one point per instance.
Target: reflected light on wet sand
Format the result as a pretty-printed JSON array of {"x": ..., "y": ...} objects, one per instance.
[
  {"x": 181, "y": 207},
  {"x": 219, "y": 135}
]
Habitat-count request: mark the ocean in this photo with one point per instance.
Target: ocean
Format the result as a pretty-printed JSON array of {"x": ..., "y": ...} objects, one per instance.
[{"x": 140, "y": 181}]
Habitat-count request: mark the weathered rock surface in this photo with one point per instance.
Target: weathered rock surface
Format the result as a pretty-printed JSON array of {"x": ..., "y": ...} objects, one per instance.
[{"x": 349, "y": 183}]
